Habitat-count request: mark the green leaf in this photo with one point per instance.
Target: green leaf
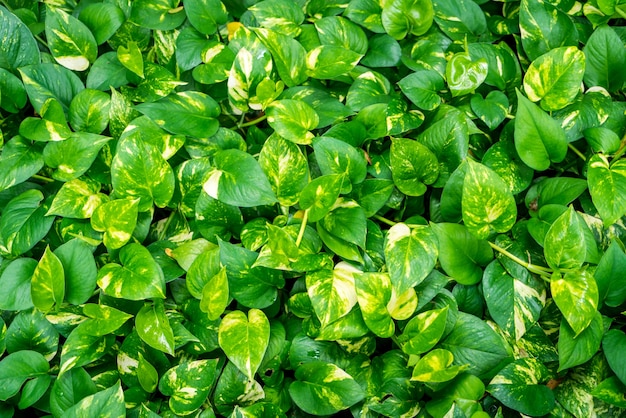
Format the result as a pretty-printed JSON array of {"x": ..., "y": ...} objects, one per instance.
[
  {"x": 19, "y": 47},
  {"x": 564, "y": 245},
  {"x": 607, "y": 186},
  {"x": 436, "y": 367},
  {"x": 605, "y": 58},
  {"x": 462, "y": 394},
  {"x": 332, "y": 292},
  {"x": 503, "y": 159},
  {"x": 554, "y": 78},
  {"x": 77, "y": 198},
  {"x": 464, "y": 75},
  {"x": 102, "y": 19},
  {"x": 71, "y": 43},
  {"x": 154, "y": 327},
  {"x": 602, "y": 140},
  {"x": 384, "y": 51},
  {"x": 139, "y": 277},
  {"x": 72, "y": 157},
  {"x": 346, "y": 221},
  {"x": 188, "y": 384},
  {"x": 577, "y": 348},
  {"x": 611, "y": 286},
  {"x": 50, "y": 81},
  {"x": 336, "y": 30},
  {"x": 16, "y": 281},
  {"x": 117, "y": 219},
  {"x": 413, "y": 166},
  {"x": 24, "y": 223},
  {"x": 130, "y": 57},
  {"x": 288, "y": 54},
  {"x": 31, "y": 330},
  {"x": 403, "y": 17},
  {"x": 157, "y": 14},
  {"x": 518, "y": 386},
  {"x": 373, "y": 291},
  {"x": 539, "y": 140},
  {"x": 106, "y": 403},
  {"x": 215, "y": 297},
  {"x": 48, "y": 282},
  {"x": 283, "y": 16},
  {"x": 139, "y": 171},
  {"x": 17, "y": 368},
  {"x": 613, "y": 345},
  {"x": 492, "y": 110},
  {"x": 611, "y": 391},
  {"x": 473, "y": 342},
  {"x": 188, "y": 113},
  {"x": 324, "y": 389},
  {"x": 69, "y": 388},
  {"x": 330, "y": 61},
  {"x": 244, "y": 339},
  {"x": 422, "y": 88},
  {"x": 320, "y": 194},
  {"x": 411, "y": 254},
  {"x": 12, "y": 92},
  {"x": 89, "y": 111},
  {"x": 461, "y": 254},
  {"x": 334, "y": 156},
  {"x": 423, "y": 331},
  {"x": 102, "y": 320},
  {"x": 293, "y": 120},
  {"x": 20, "y": 159},
  {"x": 206, "y": 15},
  {"x": 366, "y": 13},
  {"x": 536, "y": 20},
  {"x": 576, "y": 295},
  {"x": 488, "y": 205},
  {"x": 460, "y": 18},
  {"x": 237, "y": 179}
]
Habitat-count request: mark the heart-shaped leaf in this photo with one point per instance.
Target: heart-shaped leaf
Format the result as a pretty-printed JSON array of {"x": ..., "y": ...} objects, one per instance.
[
  {"x": 188, "y": 384},
  {"x": 492, "y": 109}
]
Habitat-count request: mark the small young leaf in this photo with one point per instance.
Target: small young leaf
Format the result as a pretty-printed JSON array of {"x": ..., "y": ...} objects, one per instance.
[{"x": 48, "y": 282}]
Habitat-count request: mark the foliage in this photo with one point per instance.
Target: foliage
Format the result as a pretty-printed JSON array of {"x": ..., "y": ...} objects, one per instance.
[{"x": 307, "y": 207}]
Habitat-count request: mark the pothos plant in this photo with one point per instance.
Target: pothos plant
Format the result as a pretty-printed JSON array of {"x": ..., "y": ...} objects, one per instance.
[{"x": 398, "y": 208}]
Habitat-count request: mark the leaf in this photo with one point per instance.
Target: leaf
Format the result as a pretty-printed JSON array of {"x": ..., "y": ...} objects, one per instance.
[
  {"x": 102, "y": 320},
  {"x": 518, "y": 386},
  {"x": 19, "y": 47},
  {"x": 138, "y": 277},
  {"x": 465, "y": 75},
  {"x": 492, "y": 110},
  {"x": 384, "y": 51},
  {"x": 117, "y": 219},
  {"x": 244, "y": 339},
  {"x": 554, "y": 78},
  {"x": 605, "y": 58},
  {"x": 188, "y": 113},
  {"x": 286, "y": 168},
  {"x": 130, "y": 57},
  {"x": 577, "y": 348},
  {"x": 401, "y": 17},
  {"x": 77, "y": 198},
  {"x": 188, "y": 384},
  {"x": 282, "y": 16},
  {"x": 423, "y": 331},
  {"x": 436, "y": 367},
  {"x": 460, "y": 18},
  {"x": 69, "y": 388},
  {"x": 12, "y": 92},
  {"x": 613, "y": 345},
  {"x": 50, "y": 81},
  {"x": 17, "y": 368},
  {"x": 320, "y": 194},
  {"x": 206, "y": 15},
  {"x": 337, "y": 157},
  {"x": 411, "y": 254},
  {"x": 611, "y": 287},
  {"x": 20, "y": 160},
  {"x": 292, "y": 120},
  {"x": 324, "y": 389},
  {"x": 288, "y": 54},
  {"x": 536, "y": 20},
  {"x": 106, "y": 403},
  {"x": 607, "y": 186},
  {"x": 215, "y": 297},
  {"x": 539, "y": 140},
  {"x": 237, "y": 179},
  {"x": 422, "y": 88},
  {"x": 461, "y": 254},
  {"x": 71, "y": 43},
  {"x": 373, "y": 291},
  {"x": 576, "y": 295},
  {"x": 30, "y": 330},
  {"x": 330, "y": 61},
  {"x": 564, "y": 245},
  {"x": 154, "y": 327},
  {"x": 366, "y": 13},
  {"x": 102, "y": 19},
  {"x": 413, "y": 166},
  {"x": 610, "y": 391},
  {"x": 72, "y": 157},
  {"x": 157, "y": 14},
  {"x": 48, "y": 282},
  {"x": 332, "y": 292},
  {"x": 473, "y": 342},
  {"x": 89, "y": 111},
  {"x": 138, "y": 171},
  {"x": 16, "y": 281}
]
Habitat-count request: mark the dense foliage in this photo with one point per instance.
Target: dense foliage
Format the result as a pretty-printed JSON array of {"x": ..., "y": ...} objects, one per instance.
[{"x": 300, "y": 207}]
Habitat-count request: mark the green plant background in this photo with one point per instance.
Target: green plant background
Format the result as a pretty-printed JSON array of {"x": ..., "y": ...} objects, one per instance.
[{"x": 399, "y": 208}]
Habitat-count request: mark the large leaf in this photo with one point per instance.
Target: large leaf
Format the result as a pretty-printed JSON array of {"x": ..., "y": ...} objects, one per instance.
[
  {"x": 244, "y": 339},
  {"x": 564, "y": 244},
  {"x": 77, "y": 198},
  {"x": 578, "y": 348},
  {"x": 50, "y": 81},
  {"x": 117, "y": 219},
  {"x": 607, "y": 186},
  {"x": 605, "y": 59},
  {"x": 106, "y": 403},
  {"x": 18, "y": 162},
  {"x": 71, "y": 43},
  {"x": 292, "y": 120},
  {"x": 48, "y": 282},
  {"x": 17, "y": 368},
  {"x": 330, "y": 61},
  {"x": 332, "y": 292},
  {"x": 16, "y": 282},
  {"x": 337, "y": 157},
  {"x": 289, "y": 55},
  {"x": 613, "y": 343},
  {"x": 324, "y": 389},
  {"x": 206, "y": 15},
  {"x": 544, "y": 27},
  {"x": 401, "y": 17},
  {"x": 576, "y": 295},
  {"x": 18, "y": 47},
  {"x": 423, "y": 331}
]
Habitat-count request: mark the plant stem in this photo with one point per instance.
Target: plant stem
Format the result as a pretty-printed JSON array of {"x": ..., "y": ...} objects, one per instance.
[
  {"x": 43, "y": 178},
  {"x": 384, "y": 220},
  {"x": 577, "y": 152},
  {"x": 621, "y": 150},
  {"x": 252, "y": 122},
  {"x": 168, "y": 222},
  {"x": 542, "y": 271},
  {"x": 305, "y": 218}
]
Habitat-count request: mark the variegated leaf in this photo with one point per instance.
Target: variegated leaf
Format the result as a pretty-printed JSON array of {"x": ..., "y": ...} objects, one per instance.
[
  {"x": 332, "y": 292},
  {"x": 77, "y": 198},
  {"x": 423, "y": 331},
  {"x": 373, "y": 291},
  {"x": 117, "y": 219},
  {"x": 436, "y": 367},
  {"x": 71, "y": 43},
  {"x": 188, "y": 384},
  {"x": 48, "y": 282},
  {"x": 154, "y": 327}
]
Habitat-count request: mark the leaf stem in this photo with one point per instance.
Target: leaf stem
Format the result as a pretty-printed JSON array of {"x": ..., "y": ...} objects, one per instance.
[
  {"x": 577, "y": 152},
  {"x": 533, "y": 268},
  {"x": 168, "y": 222},
  {"x": 384, "y": 220},
  {"x": 252, "y": 122},
  {"x": 305, "y": 218},
  {"x": 43, "y": 178},
  {"x": 621, "y": 150}
]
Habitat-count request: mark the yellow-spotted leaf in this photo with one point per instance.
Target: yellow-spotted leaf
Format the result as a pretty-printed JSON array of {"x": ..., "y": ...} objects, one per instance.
[
  {"x": 244, "y": 339},
  {"x": 488, "y": 205},
  {"x": 320, "y": 194},
  {"x": 18, "y": 46},
  {"x": 138, "y": 277},
  {"x": 324, "y": 389},
  {"x": 373, "y": 291},
  {"x": 519, "y": 386},
  {"x": 402, "y": 306},
  {"x": 332, "y": 292},
  {"x": 188, "y": 385},
  {"x": 423, "y": 331},
  {"x": 77, "y": 198},
  {"x": 286, "y": 168},
  {"x": 215, "y": 297},
  {"x": 289, "y": 55},
  {"x": 117, "y": 219},
  {"x": 153, "y": 327},
  {"x": 607, "y": 186},
  {"x": 71, "y": 43},
  {"x": 48, "y": 282},
  {"x": 564, "y": 243},
  {"x": 413, "y": 166},
  {"x": 106, "y": 403},
  {"x": 130, "y": 57},
  {"x": 293, "y": 120},
  {"x": 436, "y": 367},
  {"x": 576, "y": 295},
  {"x": 555, "y": 77},
  {"x": 331, "y": 61},
  {"x": 411, "y": 255}
]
